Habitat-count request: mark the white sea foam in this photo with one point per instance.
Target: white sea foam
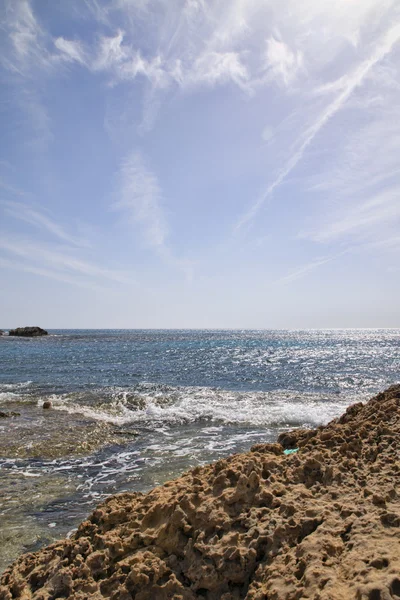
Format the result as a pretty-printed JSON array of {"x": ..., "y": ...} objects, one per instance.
[
  {"x": 160, "y": 406},
  {"x": 13, "y": 392},
  {"x": 8, "y": 397},
  {"x": 15, "y": 386}
]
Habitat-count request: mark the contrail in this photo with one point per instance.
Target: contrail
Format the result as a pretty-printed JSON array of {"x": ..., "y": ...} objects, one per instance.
[{"x": 384, "y": 47}]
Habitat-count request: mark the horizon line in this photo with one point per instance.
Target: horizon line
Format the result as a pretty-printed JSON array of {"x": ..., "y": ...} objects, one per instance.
[{"x": 5, "y": 329}]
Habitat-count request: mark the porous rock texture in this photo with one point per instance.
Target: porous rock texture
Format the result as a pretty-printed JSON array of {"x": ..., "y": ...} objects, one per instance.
[{"x": 322, "y": 523}]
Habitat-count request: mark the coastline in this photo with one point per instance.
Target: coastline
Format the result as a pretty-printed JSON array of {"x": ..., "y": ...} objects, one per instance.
[{"x": 320, "y": 523}]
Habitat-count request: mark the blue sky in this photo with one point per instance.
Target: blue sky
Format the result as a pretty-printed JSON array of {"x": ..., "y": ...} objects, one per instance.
[{"x": 183, "y": 163}]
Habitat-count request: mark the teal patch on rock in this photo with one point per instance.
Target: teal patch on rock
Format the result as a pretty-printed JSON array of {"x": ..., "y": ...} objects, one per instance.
[{"x": 293, "y": 451}]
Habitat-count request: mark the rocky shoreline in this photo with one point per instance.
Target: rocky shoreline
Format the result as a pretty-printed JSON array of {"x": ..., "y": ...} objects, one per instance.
[{"x": 322, "y": 522}]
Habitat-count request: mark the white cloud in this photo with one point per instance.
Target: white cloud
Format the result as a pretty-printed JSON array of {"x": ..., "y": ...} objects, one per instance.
[
  {"x": 125, "y": 63},
  {"x": 140, "y": 202},
  {"x": 154, "y": 70},
  {"x": 140, "y": 199},
  {"x": 361, "y": 218},
  {"x": 34, "y": 217},
  {"x": 283, "y": 62},
  {"x": 303, "y": 270},
  {"x": 27, "y": 37},
  {"x": 48, "y": 273},
  {"x": 353, "y": 81},
  {"x": 217, "y": 67},
  {"x": 59, "y": 258},
  {"x": 110, "y": 52},
  {"x": 367, "y": 158},
  {"x": 71, "y": 50},
  {"x": 355, "y": 194},
  {"x": 166, "y": 48}
]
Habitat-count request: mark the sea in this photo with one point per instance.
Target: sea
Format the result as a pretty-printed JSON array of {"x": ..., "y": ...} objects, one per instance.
[{"x": 131, "y": 409}]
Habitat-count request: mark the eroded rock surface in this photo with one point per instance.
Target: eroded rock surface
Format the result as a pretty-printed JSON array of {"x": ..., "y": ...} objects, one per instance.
[{"x": 323, "y": 523}]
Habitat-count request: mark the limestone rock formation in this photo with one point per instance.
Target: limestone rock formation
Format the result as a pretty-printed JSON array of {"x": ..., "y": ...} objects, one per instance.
[
  {"x": 322, "y": 524},
  {"x": 28, "y": 332}
]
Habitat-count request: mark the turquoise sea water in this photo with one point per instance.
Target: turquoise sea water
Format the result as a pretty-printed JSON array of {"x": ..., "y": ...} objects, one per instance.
[{"x": 187, "y": 397}]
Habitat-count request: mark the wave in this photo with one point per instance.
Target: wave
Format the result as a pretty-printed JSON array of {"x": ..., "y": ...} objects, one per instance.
[
  {"x": 15, "y": 392},
  {"x": 14, "y": 386},
  {"x": 155, "y": 405}
]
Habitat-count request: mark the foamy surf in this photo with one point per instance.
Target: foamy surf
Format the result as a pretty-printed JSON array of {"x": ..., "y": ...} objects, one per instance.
[{"x": 173, "y": 406}]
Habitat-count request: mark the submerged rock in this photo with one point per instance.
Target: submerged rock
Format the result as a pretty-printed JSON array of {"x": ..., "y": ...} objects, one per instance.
[
  {"x": 64, "y": 435},
  {"x": 6, "y": 415},
  {"x": 322, "y": 523},
  {"x": 28, "y": 332}
]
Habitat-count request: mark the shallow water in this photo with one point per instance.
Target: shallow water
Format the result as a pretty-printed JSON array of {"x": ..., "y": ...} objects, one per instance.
[{"x": 134, "y": 408}]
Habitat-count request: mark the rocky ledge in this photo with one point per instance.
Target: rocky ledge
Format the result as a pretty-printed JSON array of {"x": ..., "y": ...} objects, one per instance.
[
  {"x": 320, "y": 523},
  {"x": 28, "y": 332}
]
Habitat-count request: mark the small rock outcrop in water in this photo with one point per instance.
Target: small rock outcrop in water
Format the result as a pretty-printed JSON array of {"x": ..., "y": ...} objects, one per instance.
[
  {"x": 322, "y": 523},
  {"x": 28, "y": 332},
  {"x": 6, "y": 415},
  {"x": 47, "y": 404}
]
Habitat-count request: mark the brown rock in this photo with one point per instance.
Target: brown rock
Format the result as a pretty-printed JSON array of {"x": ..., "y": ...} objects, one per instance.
[{"x": 253, "y": 526}]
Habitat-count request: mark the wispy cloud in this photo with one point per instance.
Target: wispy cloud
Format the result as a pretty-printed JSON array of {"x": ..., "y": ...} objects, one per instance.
[
  {"x": 360, "y": 218},
  {"x": 110, "y": 52},
  {"x": 71, "y": 50},
  {"x": 197, "y": 46},
  {"x": 123, "y": 62},
  {"x": 29, "y": 47},
  {"x": 290, "y": 68},
  {"x": 59, "y": 258},
  {"x": 390, "y": 243},
  {"x": 32, "y": 216},
  {"x": 303, "y": 270},
  {"x": 282, "y": 62},
  {"x": 216, "y": 67},
  {"x": 350, "y": 84},
  {"x": 140, "y": 199},
  {"x": 25, "y": 35},
  {"x": 14, "y": 265},
  {"x": 6, "y": 186}
]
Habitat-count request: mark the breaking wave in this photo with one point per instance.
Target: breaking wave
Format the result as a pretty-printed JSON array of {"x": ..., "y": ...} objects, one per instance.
[{"x": 155, "y": 405}]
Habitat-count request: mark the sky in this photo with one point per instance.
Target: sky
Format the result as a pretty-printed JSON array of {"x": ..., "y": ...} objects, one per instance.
[{"x": 200, "y": 164}]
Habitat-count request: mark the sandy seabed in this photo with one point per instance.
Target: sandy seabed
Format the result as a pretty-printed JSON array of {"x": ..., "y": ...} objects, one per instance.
[{"x": 321, "y": 523}]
